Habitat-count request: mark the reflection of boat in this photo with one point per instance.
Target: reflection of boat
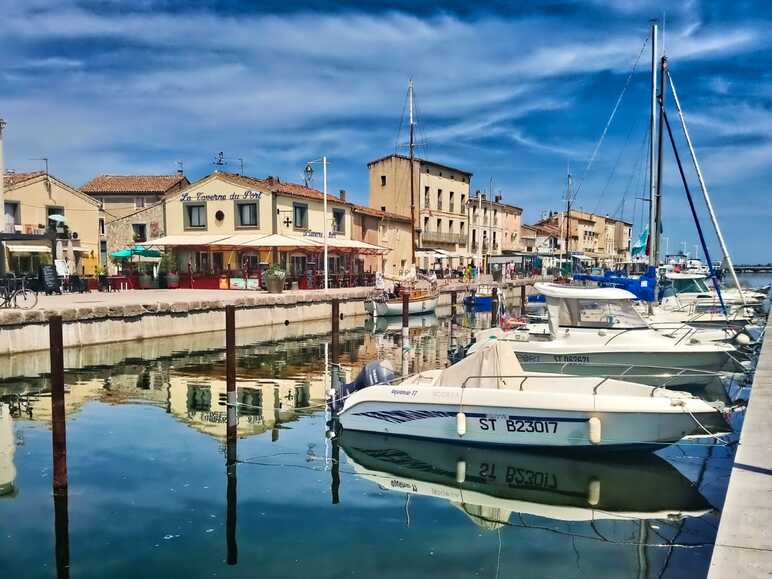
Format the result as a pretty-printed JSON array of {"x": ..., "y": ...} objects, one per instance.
[
  {"x": 7, "y": 451},
  {"x": 390, "y": 324},
  {"x": 480, "y": 298},
  {"x": 487, "y": 398},
  {"x": 489, "y": 483},
  {"x": 597, "y": 331}
]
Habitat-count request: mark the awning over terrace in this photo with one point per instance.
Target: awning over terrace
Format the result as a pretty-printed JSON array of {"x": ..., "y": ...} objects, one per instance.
[{"x": 273, "y": 241}]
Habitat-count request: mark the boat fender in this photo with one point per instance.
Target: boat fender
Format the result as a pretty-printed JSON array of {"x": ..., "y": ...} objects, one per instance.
[
  {"x": 461, "y": 423},
  {"x": 593, "y": 492},
  {"x": 594, "y": 429},
  {"x": 460, "y": 471},
  {"x": 743, "y": 339}
]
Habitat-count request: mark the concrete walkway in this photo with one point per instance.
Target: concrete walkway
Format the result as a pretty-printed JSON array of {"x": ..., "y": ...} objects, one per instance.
[{"x": 744, "y": 542}]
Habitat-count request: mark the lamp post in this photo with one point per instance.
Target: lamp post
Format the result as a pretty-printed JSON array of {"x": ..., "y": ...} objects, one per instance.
[{"x": 309, "y": 173}]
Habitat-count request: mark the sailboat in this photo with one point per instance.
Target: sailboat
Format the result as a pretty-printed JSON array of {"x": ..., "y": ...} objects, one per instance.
[{"x": 421, "y": 291}]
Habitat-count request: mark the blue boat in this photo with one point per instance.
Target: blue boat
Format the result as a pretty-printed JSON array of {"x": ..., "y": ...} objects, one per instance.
[{"x": 479, "y": 299}]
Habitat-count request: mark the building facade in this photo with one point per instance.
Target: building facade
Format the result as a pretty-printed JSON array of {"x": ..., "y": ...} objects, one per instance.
[
  {"x": 494, "y": 227},
  {"x": 36, "y": 203},
  {"x": 388, "y": 230},
  {"x": 440, "y": 195},
  {"x": 123, "y": 195}
]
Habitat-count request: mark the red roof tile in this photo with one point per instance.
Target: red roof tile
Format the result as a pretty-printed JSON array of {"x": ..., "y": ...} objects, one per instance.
[
  {"x": 106, "y": 184},
  {"x": 13, "y": 179},
  {"x": 381, "y": 214}
]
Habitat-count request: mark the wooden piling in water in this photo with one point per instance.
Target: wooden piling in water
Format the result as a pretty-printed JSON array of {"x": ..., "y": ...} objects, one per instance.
[
  {"x": 523, "y": 299},
  {"x": 231, "y": 435},
  {"x": 405, "y": 334},
  {"x": 59, "y": 443},
  {"x": 494, "y": 307},
  {"x": 335, "y": 329}
]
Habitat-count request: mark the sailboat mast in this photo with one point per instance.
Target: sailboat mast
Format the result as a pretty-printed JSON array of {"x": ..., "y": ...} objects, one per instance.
[
  {"x": 411, "y": 146},
  {"x": 569, "y": 194},
  {"x": 653, "y": 224},
  {"x": 660, "y": 144}
]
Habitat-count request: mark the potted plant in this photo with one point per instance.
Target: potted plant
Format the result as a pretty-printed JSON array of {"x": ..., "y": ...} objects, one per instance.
[{"x": 274, "y": 279}]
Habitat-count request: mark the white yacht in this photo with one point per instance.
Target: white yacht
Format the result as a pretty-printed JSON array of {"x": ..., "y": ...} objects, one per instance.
[
  {"x": 489, "y": 484},
  {"x": 597, "y": 331},
  {"x": 691, "y": 291},
  {"x": 488, "y": 398}
]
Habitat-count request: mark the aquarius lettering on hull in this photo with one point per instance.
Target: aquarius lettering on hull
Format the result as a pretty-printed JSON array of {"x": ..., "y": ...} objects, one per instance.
[{"x": 235, "y": 196}]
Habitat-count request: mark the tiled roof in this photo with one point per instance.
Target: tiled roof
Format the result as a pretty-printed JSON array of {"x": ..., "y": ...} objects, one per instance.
[
  {"x": 278, "y": 186},
  {"x": 13, "y": 179},
  {"x": 380, "y": 214},
  {"x": 105, "y": 184},
  {"x": 423, "y": 161}
]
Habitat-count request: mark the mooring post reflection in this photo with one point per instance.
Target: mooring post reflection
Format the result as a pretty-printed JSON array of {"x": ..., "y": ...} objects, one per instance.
[
  {"x": 405, "y": 334},
  {"x": 335, "y": 469},
  {"x": 231, "y": 434},
  {"x": 59, "y": 444}
]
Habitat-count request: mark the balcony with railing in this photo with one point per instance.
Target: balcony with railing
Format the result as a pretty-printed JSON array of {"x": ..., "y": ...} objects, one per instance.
[{"x": 442, "y": 237}]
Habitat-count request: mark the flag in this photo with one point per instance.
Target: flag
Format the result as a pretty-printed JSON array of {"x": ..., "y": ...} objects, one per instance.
[{"x": 639, "y": 247}]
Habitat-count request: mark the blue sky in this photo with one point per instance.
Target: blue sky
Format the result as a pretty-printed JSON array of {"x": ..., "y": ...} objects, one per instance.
[{"x": 511, "y": 93}]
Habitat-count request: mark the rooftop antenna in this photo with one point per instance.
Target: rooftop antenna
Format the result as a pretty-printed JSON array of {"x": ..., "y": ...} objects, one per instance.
[
  {"x": 181, "y": 168},
  {"x": 221, "y": 160},
  {"x": 44, "y": 159}
]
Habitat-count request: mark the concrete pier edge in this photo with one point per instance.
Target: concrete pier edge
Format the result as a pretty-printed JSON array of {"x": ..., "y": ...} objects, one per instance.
[{"x": 744, "y": 541}]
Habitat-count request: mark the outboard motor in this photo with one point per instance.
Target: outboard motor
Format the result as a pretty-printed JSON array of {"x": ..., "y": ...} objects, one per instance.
[{"x": 372, "y": 374}]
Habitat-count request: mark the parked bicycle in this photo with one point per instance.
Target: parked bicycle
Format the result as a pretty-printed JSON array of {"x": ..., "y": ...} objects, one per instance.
[{"x": 15, "y": 294}]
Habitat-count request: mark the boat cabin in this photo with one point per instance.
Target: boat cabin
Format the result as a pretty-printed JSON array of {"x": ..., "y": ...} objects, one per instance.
[
  {"x": 589, "y": 308},
  {"x": 685, "y": 283}
]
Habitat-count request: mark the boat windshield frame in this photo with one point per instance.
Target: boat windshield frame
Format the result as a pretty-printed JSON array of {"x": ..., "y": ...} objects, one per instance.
[
  {"x": 583, "y": 313},
  {"x": 689, "y": 285}
]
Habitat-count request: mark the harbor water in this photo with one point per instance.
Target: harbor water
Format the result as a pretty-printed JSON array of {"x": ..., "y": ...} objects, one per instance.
[{"x": 149, "y": 495}]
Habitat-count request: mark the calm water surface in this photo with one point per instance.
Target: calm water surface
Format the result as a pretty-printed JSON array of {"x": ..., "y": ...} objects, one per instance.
[{"x": 148, "y": 493}]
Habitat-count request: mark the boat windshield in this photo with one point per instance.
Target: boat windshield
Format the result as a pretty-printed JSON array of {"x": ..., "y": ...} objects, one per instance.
[
  {"x": 589, "y": 313},
  {"x": 690, "y": 286}
]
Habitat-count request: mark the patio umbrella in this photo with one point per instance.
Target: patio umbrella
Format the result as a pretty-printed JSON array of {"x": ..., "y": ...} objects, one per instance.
[
  {"x": 56, "y": 217},
  {"x": 136, "y": 250}
]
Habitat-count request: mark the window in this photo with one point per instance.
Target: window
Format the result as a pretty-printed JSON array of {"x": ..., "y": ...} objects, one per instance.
[
  {"x": 101, "y": 226},
  {"x": 54, "y": 212},
  {"x": 383, "y": 180},
  {"x": 299, "y": 265},
  {"x": 439, "y": 199},
  {"x": 11, "y": 217},
  {"x": 218, "y": 261},
  {"x": 463, "y": 199},
  {"x": 426, "y": 198},
  {"x": 495, "y": 217},
  {"x": 452, "y": 202},
  {"x": 103, "y": 252},
  {"x": 439, "y": 225},
  {"x": 139, "y": 202},
  {"x": 300, "y": 216},
  {"x": 339, "y": 220},
  {"x": 195, "y": 216},
  {"x": 246, "y": 214},
  {"x": 461, "y": 227},
  {"x": 426, "y": 224},
  {"x": 585, "y": 313},
  {"x": 450, "y": 226},
  {"x": 139, "y": 232}
]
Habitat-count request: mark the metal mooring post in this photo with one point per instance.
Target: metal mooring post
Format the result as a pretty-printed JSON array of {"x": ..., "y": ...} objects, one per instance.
[
  {"x": 405, "y": 334},
  {"x": 231, "y": 434},
  {"x": 523, "y": 299},
  {"x": 59, "y": 442}
]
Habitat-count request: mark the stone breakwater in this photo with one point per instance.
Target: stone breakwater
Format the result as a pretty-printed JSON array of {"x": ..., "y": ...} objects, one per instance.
[{"x": 97, "y": 318}]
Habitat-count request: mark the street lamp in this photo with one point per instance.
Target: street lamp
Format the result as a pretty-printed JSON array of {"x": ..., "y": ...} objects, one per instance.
[{"x": 309, "y": 171}]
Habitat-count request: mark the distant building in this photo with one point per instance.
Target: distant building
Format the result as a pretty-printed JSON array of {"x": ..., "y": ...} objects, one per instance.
[
  {"x": 122, "y": 195},
  {"x": 440, "y": 198},
  {"x": 594, "y": 238},
  {"x": 494, "y": 226}
]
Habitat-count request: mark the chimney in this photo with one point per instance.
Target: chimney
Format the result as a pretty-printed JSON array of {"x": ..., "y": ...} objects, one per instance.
[{"x": 342, "y": 194}]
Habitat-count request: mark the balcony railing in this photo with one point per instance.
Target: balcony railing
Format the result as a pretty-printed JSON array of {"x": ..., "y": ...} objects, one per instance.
[
  {"x": 442, "y": 237},
  {"x": 26, "y": 229}
]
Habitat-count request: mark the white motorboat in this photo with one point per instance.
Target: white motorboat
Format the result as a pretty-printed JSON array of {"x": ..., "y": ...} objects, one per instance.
[
  {"x": 692, "y": 290},
  {"x": 489, "y": 484},
  {"x": 488, "y": 398},
  {"x": 597, "y": 331}
]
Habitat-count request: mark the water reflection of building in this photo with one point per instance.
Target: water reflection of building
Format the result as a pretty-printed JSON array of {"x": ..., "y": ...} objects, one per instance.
[{"x": 7, "y": 451}]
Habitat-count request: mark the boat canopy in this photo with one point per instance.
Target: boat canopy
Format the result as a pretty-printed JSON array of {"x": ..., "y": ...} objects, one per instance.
[
  {"x": 684, "y": 275},
  {"x": 554, "y": 290},
  {"x": 494, "y": 365}
]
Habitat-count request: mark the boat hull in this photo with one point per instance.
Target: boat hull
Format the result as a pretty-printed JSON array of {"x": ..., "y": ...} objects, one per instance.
[
  {"x": 415, "y": 306},
  {"x": 523, "y": 427},
  {"x": 478, "y": 302}
]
